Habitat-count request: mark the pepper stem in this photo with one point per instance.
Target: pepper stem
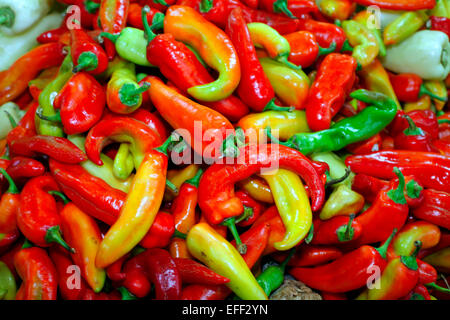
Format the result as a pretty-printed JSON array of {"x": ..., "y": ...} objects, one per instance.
[
  {"x": 196, "y": 179},
  {"x": 284, "y": 60},
  {"x": 27, "y": 244},
  {"x": 54, "y": 235},
  {"x": 441, "y": 121},
  {"x": 383, "y": 249},
  {"x": 231, "y": 224},
  {"x": 346, "y": 46},
  {"x": 398, "y": 195},
  {"x": 60, "y": 195},
  {"x": 205, "y": 6},
  {"x": 163, "y": 148},
  {"x": 338, "y": 180},
  {"x": 248, "y": 212},
  {"x": 423, "y": 90},
  {"x": 288, "y": 258},
  {"x": 148, "y": 30},
  {"x": 126, "y": 295},
  {"x": 411, "y": 261},
  {"x": 86, "y": 61},
  {"x": 412, "y": 129},
  {"x": 171, "y": 186},
  {"x": 109, "y": 36},
  {"x": 12, "y": 186},
  {"x": 271, "y": 106},
  {"x": 53, "y": 118},
  {"x": 437, "y": 287},
  {"x": 7, "y": 17},
  {"x": 275, "y": 140},
  {"x": 330, "y": 49},
  {"x": 91, "y": 6},
  {"x": 345, "y": 233},
  {"x": 180, "y": 235},
  {"x": 130, "y": 94},
  {"x": 281, "y": 6}
]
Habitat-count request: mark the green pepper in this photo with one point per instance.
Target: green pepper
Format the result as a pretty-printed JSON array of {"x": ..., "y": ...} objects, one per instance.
[
  {"x": 123, "y": 162},
  {"x": 7, "y": 283},
  {"x": 360, "y": 127},
  {"x": 131, "y": 45},
  {"x": 47, "y": 118}
]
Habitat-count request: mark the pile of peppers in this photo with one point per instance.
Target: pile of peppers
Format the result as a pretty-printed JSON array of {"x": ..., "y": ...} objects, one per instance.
[{"x": 95, "y": 205}]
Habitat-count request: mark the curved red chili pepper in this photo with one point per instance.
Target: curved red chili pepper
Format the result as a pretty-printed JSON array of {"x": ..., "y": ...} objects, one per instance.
[
  {"x": 257, "y": 208},
  {"x": 160, "y": 233},
  {"x": 337, "y": 230},
  {"x": 326, "y": 33},
  {"x": 304, "y": 48},
  {"x": 435, "y": 208},
  {"x": 23, "y": 167},
  {"x": 194, "y": 272}
]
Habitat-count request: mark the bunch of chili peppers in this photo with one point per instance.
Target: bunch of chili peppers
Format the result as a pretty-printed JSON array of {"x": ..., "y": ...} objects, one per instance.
[{"x": 93, "y": 191}]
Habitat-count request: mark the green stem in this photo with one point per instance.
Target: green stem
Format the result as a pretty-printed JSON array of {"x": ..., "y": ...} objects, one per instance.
[
  {"x": 130, "y": 94},
  {"x": 346, "y": 46},
  {"x": 411, "y": 261},
  {"x": 27, "y": 244},
  {"x": 437, "y": 287},
  {"x": 281, "y": 6},
  {"x": 163, "y": 148},
  {"x": 7, "y": 17},
  {"x": 86, "y": 61},
  {"x": 345, "y": 233},
  {"x": 12, "y": 186},
  {"x": 54, "y": 235},
  {"x": 330, "y": 49},
  {"x": 412, "y": 129},
  {"x": 205, "y": 6},
  {"x": 288, "y": 258},
  {"x": 171, "y": 186},
  {"x": 149, "y": 34},
  {"x": 423, "y": 90},
  {"x": 112, "y": 37},
  {"x": 91, "y": 6},
  {"x": 271, "y": 106},
  {"x": 440, "y": 121},
  {"x": 231, "y": 224},
  {"x": 180, "y": 235},
  {"x": 383, "y": 249},
  {"x": 310, "y": 235},
  {"x": 53, "y": 118},
  {"x": 11, "y": 119},
  {"x": 284, "y": 60},
  {"x": 397, "y": 195},
  {"x": 196, "y": 179},
  {"x": 60, "y": 195},
  {"x": 126, "y": 295},
  {"x": 338, "y": 180},
  {"x": 248, "y": 212}
]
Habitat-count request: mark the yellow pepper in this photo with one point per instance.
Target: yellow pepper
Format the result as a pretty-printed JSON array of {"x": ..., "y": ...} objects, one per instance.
[
  {"x": 404, "y": 26},
  {"x": 423, "y": 103},
  {"x": 376, "y": 79},
  {"x": 365, "y": 45},
  {"x": 440, "y": 260},
  {"x": 257, "y": 189},
  {"x": 441, "y": 9},
  {"x": 208, "y": 246},
  {"x": 437, "y": 87},
  {"x": 365, "y": 18},
  {"x": 178, "y": 177},
  {"x": 342, "y": 201},
  {"x": 285, "y": 122},
  {"x": 123, "y": 162},
  {"x": 337, "y": 9},
  {"x": 138, "y": 212},
  {"x": 293, "y": 205}
]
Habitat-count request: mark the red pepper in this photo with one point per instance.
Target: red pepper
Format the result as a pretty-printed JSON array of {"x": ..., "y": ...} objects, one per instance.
[
  {"x": 87, "y": 54},
  {"x": 414, "y": 138},
  {"x": 136, "y": 276},
  {"x": 440, "y": 24},
  {"x": 309, "y": 256},
  {"x": 349, "y": 272},
  {"x": 54, "y": 35},
  {"x": 326, "y": 33},
  {"x": 406, "y": 5},
  {"x": 256, "y": 239},
  {"x": 161, "y": 231},
  {"x": 372, "y": 144},
  {"x": 163, "y": 273},
  {"x": 435, "y": 208},
  {"x": 121, "y": 129},
  {"x": 389, "y": 211},
  {"x": 113, "y": 18},
  {"x": 427, "y": 273},
  {"x": 134, "y": 18},
  {"x": 216, "y": 190},
  {"x": 38, "y": 273},
  {"x": 180, "y": 65},
  {"x": 336, "y": 230},
  {"x": 254, "y": 87},
  {"x": 14, "y": 81},
  {"x": 114, "y": 271},
  {"x": 304, "y": 48},
  {"x": 86, "y": 16},
  {"x": 196, "y": 273},
  {"x": 424, "y": 119},
  {"x": 220, "y": 10},
  {"x": 91, "y": 194},
  {"x": 9, "y": 207},
  {"x": 329, "y": 90},
  {"x": 81, "y": 101},
  {"x": 408, "y": 87},
  {"x": 432, "y": 170},
  {"x": 291, "y": 8},
  {"x": 23, "y": 167},
  {"x": 256, "y": 207},
  {"x": 205, "y": 292},
  {"x": 38, "y": 218},
  {"x": 368, "y": 186},
  {"x": 420, "y": 292},
  {"x": 56, "y": 148}
]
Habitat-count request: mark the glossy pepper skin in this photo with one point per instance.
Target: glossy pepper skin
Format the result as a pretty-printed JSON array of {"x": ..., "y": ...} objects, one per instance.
[
  {"x": 9, "y": 206},
  {"x": 399, "y": 5},
  {"x": 364, "y": 42},
  {"x": 326, "y": 33},
  {"x": 329, "y": 90},
  {"x": 24, "y": 167},
  {"x": 304, "y": 48},
  {"x": 310, "y": 255},
  {"x": 7, "y": 283},
  {"x": 83, "y": 234},
  {"x": 336, "y": 230},
  {"x": 414, "y": 138},
  {"x": 160, "y": 233},
  {"x": 213, "y": 45},
  {"x": 409, "y": 87},
  {"x": 435, "y": 208},
  {"x": 209, "y": 247},
  {"x": 194, "y": 272},
  {"x": 254, "y": 87},
  {"x": 113, "y": 18},
  {"x": 255, "y": 207},
  {"x": 216, "y": 190},
  {"x": 56, "y": 148},
  {"x": 81, "y": 102},
  {"x": 181, "y": 66},
  {"x": 122, "y": 129},
  {"x": 440, "y": 24},
  {"x": 349, "y": 130},
  {"x": 430, "y": 169},
  {"x": 139, "y": 210},
  {"x": 293, "y": 206},
  {"x": 182, "y": 113},
  {"x": 86, "y": 54},
  {"x": 38, "y": 273},
  {"x": 14, "y": 81},
  {"x": 38, "y": 218},
  {"x": 349, "y": 272}
]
